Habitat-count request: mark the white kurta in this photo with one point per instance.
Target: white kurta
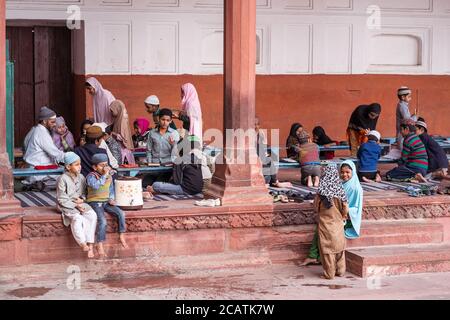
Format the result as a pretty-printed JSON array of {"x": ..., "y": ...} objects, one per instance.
[
  {"x": 41, "y": 150},
  {"x": 112, "y": 161}
]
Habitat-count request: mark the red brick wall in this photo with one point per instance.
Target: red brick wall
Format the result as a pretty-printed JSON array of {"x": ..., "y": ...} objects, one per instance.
[{"x": 325, "y": 100}]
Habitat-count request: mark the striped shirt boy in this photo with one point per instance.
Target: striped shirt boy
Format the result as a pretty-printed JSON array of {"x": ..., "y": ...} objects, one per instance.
[{"x": 414, "y": 153}]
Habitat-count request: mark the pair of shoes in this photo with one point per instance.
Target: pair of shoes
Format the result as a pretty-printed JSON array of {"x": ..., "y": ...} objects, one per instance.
[
  {"x": 208, "y": 203},
  {"x": 38, "y": 186},
  {"x": 281, "y": 198},
  {"x": 310, "y": 196}
]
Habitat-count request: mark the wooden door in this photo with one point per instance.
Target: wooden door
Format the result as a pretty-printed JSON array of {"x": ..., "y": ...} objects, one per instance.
[
  {"x": 21, "y": 42},
  {"x": 43, "y": 74}
]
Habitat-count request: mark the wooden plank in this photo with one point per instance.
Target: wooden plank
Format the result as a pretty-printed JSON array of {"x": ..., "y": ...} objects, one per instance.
[
  {"x": 60, "y": 74},
  {"x": 41, "y": 68},
  {"x": 21, "y": 51}
]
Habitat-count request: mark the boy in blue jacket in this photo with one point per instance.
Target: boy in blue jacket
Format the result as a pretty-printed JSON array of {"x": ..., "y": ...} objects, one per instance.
[{"x": 368, "y": 155}]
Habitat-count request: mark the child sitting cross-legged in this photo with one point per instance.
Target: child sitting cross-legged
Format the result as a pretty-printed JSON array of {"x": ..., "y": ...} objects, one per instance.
[
  {"x": 187, "y": 177},
  {"x": 368, "y": 155},
  {"x": 309, "y": 160},
  {"x": 101, "y": 198},
  {"x": 70, "y": 193}
]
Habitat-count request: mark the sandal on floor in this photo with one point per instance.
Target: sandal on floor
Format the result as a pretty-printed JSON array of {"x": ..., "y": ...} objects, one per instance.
[{"x": 276, "y": 198}]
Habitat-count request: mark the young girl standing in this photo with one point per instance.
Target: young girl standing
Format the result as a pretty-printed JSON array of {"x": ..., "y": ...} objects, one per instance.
[
  {"x": 332, "y": 207},
  {"x": 354, "y": 193}
]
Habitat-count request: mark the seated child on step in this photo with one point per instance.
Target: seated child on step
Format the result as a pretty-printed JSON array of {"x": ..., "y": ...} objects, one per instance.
[
  {"x": 101, "y": 198},
  {"x": 187, "y": 176},
  {"x": 70, "y": 195},
  {"x": 368, "y": 155},
  {"x": 332, "y": 208}
]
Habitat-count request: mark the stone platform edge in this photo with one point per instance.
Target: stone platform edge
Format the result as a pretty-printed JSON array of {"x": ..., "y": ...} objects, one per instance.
[{"x": 46, "y": 222}]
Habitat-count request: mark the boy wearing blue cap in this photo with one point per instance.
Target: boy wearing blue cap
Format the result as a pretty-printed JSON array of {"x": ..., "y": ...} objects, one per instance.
[
  {"x": 100, "y": 197},
  {"x": 70, "y": 195}
]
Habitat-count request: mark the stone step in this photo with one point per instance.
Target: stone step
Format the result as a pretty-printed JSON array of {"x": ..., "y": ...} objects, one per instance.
[
  {"x": 397, "y": 260},
  {"x": 279, "y": 244},
  {"x": 382, "y": 233}
]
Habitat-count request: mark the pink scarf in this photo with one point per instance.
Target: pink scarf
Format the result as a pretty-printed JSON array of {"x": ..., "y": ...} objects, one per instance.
[
  {"x": 143, "y": 124},
  {"x": 191, "y": 106},
  {"x": 102, "y": 100}
]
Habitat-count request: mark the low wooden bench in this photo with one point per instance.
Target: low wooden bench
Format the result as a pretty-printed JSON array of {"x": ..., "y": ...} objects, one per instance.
[{"x": 26, "y": 172}]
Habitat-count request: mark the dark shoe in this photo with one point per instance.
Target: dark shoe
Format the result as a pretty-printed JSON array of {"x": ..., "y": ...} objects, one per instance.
[{"x": 310, "y": 196}]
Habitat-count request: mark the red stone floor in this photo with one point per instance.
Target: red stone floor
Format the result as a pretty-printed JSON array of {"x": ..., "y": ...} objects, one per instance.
[
  {"x": 146, "y": 279},
  {"x": 247, "y": 262}
]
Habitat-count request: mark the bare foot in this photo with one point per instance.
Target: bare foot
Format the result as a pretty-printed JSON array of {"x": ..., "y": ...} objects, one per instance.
[
  {"x": 122, "y": 241},
  {"x": 364, "y": 179},
  {"x": 101, "y": 250},
  {"x": 309, "y": 182},
  {"x": 284, "y": 185},
  {"x": 316, "y": 181},
  {"x": 325, "y": 277},
  {"x": 147, "y": 196},
  {"x": 91, "y": 251},
  {"x": 378, "y": 178},
  {"x": 84, "y": 247},
  {"x": 309, "y": 261},
  {"x": 421, "y": 178}
]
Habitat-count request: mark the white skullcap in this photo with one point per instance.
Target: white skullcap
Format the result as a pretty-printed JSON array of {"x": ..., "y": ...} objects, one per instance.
[{"x": 152, "y": 100}]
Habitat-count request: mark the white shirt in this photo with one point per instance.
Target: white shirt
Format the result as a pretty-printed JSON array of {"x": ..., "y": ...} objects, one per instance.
[
  {"x": 40, "y": 148},
  {"x": 112, "y": 161},
  {"x": 206, "y": 172}
]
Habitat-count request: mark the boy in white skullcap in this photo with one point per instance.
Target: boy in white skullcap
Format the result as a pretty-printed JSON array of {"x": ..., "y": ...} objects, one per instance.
[
  {"x": 70, "y": 196},
  {"x": 403, "y": 114}
]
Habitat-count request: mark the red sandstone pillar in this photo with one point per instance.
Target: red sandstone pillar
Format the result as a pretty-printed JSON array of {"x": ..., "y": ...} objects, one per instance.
[
  {"x": 234, "y": 182},
  {"x": 7, "y": 200}
]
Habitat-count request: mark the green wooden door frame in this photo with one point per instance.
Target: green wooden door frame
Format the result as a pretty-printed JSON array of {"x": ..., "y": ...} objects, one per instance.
[{"x": 9, "y": 106}]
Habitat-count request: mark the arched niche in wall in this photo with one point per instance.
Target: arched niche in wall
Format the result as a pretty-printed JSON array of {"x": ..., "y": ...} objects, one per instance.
[
  {"x": 212, "y": 48},
  {"x": 396, "y": 50}
]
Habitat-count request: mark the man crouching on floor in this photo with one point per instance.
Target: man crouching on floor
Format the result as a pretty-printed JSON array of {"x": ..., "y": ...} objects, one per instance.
[{"x": 70, "y": 195}]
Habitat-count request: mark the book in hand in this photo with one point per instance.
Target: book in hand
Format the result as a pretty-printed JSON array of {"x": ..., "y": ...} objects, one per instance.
[
  {"x": 167, "y": 164},
  {"x": 153, "y": 164}
]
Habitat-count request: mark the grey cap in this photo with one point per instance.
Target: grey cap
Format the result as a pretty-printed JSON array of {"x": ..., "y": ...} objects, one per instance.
[{"x": 46, "y": 113}]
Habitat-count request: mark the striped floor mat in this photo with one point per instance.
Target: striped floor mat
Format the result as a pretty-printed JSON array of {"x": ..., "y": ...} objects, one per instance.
[
  {"x": 367, "y": 187},
  {"x": 48, "y": 199}
]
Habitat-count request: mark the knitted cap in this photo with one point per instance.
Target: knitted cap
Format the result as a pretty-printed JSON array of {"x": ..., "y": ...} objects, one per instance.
[
  {"x": 94, "y": 132},
  {"x": 70, "y": 157},
  {"x": 101, "y": 125},
  {"x": 98, "y": 158},
  {"x": 375, "y": 133},
  {"x": 422, "y": 124},
  {"x": 46, "y": 113},
  {"x": 403, "y": 91},
  {"x": 152, "y": 100}
]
